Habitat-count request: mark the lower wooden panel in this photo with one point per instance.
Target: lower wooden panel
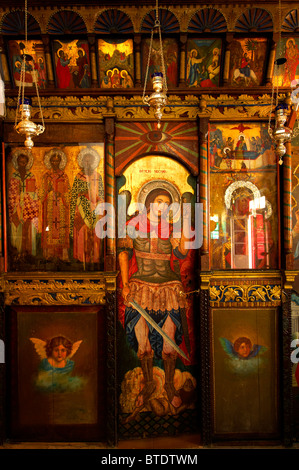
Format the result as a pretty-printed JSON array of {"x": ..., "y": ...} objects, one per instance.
[
  {"x": 53, "y": 398},
  {"x": 245, "y": 372}
]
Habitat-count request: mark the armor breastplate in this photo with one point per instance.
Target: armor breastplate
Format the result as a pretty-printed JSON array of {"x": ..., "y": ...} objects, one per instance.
[{"x": 153, "y": 260}]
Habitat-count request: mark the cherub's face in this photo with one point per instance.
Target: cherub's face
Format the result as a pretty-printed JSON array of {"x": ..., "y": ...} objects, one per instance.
[
  {"x": 244, "y": 350},
  {"x": 59, "y": 353}
]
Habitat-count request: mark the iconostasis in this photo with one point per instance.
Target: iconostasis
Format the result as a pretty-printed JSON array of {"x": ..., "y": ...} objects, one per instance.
[{"x": 219, "y": 372}]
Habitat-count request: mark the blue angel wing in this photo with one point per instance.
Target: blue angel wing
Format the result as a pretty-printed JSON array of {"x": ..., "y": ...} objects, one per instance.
[
  {"x": 257, "y": 349},
  {"x": 228, "y": 347}
]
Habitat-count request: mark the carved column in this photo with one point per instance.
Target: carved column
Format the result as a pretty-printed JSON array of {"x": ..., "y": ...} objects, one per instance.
[
  {"x": 2, "y": 206},
  {"x": 110, "y": 259},
  {"x": 2, "y": 371},
  {"x": 204, "y": 191},
  {"x": 205, "y": 355},
  {"x": 286, "y": 327},
  {"x": 229, "y": 38},
  {"x": 137, "y": 47},
  {"x": 93, "y": 61},
  {"x": 4, "y": 63},
  {"x": 50, "y": 73},
  {"x": 288, "y": 265},
  {"x": 287, "y": 208},
  {"x": 272, "y": 54},
  {"x": 111, "y": 370},
  {"x": 183, "y": 53}
]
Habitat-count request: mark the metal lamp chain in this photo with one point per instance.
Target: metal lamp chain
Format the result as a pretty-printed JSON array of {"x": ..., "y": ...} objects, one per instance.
[
  {"x": 162, "y": 61},
  {"x": 279, "y": 43},
  {"x": 25, "y": 126},
  {"x": 158, "y": 25},
  {"x": 148, "y": 62},
  {"x": 272, "y": 99},
  {"x": 19, "y": 94},
  {"x": 24, "y": 57},
  {"x": 39, "y": 103},
  {"x": 22, "y": 74},
  {"x": 276, "y": 68}
]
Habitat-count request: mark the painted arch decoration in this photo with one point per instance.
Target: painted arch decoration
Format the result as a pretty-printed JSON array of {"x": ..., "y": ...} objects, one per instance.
[
  {"x": 207, "y": 20},
  {"x": 14, "y": 23},
  {"x": 137, "y": 138},
  {"x": 168, "y": 21},
  {"x": 113, "y": 21},
  {"x": 66, "y": 22},
  {"x": 254, "y": 19}
]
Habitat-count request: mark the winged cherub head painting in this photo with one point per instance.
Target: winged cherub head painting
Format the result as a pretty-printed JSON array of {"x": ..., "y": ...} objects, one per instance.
[
  {"x": 56, "y": 365},
  {"x": 242, "y": 348}
]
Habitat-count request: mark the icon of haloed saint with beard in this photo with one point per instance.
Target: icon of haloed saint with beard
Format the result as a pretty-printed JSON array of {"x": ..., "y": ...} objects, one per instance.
[
  {"x": 87, "y": 192},
  {"x": 150, "y": 274}
]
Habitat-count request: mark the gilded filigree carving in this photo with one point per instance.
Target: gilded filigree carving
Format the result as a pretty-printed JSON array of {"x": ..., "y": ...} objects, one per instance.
[
  {"x": 58, "y": 291},
  {"x": 245, "y": 293},
  {"x": 55, "y": 299},
  {"x": 224, "y": 106}
]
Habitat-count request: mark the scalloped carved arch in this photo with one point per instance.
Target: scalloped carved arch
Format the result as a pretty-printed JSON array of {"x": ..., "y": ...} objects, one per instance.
[
  {"x": 254, "y": 20},
  {"x": 66, "y": 22},
  {"x": 168, "y": 21},
  {"x": 291, "y": 22},
  {"x": 113, "y": 21},
  {"x": 207, "y": 20},
  {"x": 14, "y": 23}
]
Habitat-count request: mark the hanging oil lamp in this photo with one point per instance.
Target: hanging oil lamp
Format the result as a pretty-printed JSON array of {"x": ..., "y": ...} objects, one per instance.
[
  {"x": 25, "y": 126},
  {"x": 23, "y": 112},
  {"x": 280, "y": 134}
]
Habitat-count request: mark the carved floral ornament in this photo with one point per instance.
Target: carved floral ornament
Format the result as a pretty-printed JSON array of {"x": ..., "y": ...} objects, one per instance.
[
  {"x": 58, "y": 291},
  {"x": 71, "y": 108},
  {"x": 244, "y": 293}
]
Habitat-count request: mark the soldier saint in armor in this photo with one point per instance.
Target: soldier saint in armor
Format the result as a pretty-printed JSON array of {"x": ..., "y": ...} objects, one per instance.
[{"x": 149, "y": 266}]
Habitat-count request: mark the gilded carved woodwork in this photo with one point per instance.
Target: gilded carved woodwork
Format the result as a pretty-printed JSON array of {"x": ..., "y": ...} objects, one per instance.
[
  {"x": 248, "y": 289},
  {"x": 289, "y": 279},
  {"x": 189, "y": 107},
  {"x": 58, "y": 289},
  {"x": 245, "y": 294}
]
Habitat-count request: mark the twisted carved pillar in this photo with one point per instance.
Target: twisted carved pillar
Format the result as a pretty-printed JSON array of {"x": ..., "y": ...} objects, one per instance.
[
  {"x": 204, "y": 191},
  {"x": 287, "y": 208},
  {"x": 205, "y": 360},
  {"x": 2, "y": 372},
  {"x": 286, "y": 361},
  {"x": 289, "y": 275},
  {"x": 110, "y": 258},
  {"x": 111, "y": 369},
  {"x": 2, "y": 205}
]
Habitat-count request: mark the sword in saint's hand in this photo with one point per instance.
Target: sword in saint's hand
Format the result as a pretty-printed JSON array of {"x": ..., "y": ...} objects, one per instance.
[{"x": 148, "y": 318}]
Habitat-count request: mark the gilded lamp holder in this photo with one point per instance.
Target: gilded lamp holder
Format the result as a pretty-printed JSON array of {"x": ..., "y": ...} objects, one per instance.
[
  {"x": 25, "y": 126},
  {"x": 280, "y": 134},
  {"x": 158, "y": 99}
]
